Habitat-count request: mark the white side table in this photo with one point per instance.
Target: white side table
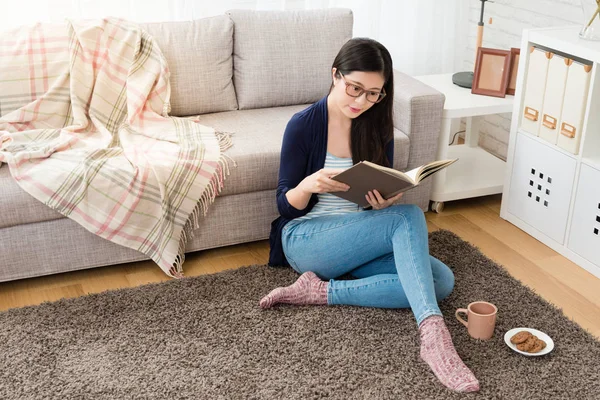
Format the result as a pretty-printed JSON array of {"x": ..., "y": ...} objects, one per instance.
[{"x": 477, "y": 172}]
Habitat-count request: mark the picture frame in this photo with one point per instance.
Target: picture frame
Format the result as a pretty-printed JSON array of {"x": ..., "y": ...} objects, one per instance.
[
  {"x": 491, "y": 72},
  {"x": 515, "y": 54}
]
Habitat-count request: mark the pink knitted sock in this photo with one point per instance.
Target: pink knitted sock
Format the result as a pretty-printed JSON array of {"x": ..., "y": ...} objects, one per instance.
[
  {"x": 438, "y": 351},
  {"x": 308, "y": 289}
]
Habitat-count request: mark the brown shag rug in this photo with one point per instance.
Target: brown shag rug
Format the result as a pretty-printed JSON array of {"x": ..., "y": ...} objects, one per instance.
[{"x": 206, "y": 338}]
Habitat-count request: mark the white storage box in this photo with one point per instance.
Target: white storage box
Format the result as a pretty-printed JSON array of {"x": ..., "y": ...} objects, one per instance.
[
  {"x": 542, "y": 183},
  {"x": 584, "y": 236},
  {"x": 571, "y": 121}
]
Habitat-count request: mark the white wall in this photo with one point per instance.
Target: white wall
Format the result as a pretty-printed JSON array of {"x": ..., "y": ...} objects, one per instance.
[{"x": 509, "y": 18}]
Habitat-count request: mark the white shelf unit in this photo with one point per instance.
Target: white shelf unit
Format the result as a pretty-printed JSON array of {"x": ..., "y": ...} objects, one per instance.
[{"x": 550, "y": 193}]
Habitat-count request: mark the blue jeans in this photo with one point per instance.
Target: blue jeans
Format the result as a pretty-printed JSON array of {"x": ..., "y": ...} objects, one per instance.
[{"x": 387, "y": 250}]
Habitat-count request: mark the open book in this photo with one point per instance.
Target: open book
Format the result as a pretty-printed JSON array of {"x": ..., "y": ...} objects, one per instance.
[{"x": 366, "y": 176}]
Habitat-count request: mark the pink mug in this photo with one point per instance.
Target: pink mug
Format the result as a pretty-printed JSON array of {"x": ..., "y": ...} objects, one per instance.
[{"x": 481, "y": 319}]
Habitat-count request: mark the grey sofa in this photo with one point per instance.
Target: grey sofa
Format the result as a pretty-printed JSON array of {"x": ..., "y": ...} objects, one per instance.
[{"x": 245, "y": 72}]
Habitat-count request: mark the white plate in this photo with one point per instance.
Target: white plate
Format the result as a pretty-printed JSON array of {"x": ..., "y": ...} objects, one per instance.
[{"x": 541, "y": 335}]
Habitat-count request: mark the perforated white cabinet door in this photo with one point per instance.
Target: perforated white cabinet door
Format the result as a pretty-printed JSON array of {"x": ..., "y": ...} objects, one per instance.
[
  {"x": 541, "y": 186},
  {"x": 584, "y": 236},
  {"x": 553, "y": 98},
  {"x": 571, "y": 121},
  {"x": 535, "y": 84}
]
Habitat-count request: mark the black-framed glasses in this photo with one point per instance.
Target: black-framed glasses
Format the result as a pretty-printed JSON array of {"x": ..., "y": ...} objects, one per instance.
[{"x": 354, "y": 90}]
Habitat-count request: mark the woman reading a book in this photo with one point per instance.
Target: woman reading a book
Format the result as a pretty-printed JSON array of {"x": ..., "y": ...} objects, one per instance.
[{"x": 323, "y": 237}]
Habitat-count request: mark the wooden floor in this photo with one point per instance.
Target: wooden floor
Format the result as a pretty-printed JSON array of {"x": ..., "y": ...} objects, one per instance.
[{"x": 477, "y": 221}]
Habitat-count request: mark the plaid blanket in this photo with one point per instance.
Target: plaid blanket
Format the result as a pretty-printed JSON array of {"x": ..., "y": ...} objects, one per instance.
[{"x": 84, "y": 128}]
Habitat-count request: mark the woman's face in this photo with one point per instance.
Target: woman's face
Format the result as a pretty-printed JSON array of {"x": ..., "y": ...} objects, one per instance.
[{"x": 354, "y": 82}]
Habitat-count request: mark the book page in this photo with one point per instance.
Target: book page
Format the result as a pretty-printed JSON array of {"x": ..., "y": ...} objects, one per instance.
[
  {"x": 432, "y": 168},
  {"x": 402, "y": 175},
  {"x": 413, "y": 173}
]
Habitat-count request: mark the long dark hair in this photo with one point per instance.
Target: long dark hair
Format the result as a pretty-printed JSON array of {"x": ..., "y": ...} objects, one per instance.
[{"x": 374, "y": 129}]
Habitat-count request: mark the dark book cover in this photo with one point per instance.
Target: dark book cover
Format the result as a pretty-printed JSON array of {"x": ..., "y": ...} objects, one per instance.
[{"x": 361, "y": 178}]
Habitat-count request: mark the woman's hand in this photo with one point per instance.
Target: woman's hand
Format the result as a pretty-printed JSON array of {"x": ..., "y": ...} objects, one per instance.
[
  {"x": 377, "y": 201},
  {"x": 321, "y": 182}
]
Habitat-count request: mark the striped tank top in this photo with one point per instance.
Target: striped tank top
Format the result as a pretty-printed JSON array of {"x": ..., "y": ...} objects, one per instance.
[{"x": 329, "y": 204}]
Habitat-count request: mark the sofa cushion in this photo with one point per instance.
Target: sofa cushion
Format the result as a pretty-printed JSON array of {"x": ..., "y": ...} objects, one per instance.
[
  {"x": 19, "y": 207},
  {"x": 199, "y": 54},
  {"x": 285, "y": 57},
  {"x": 257, "y": 145},
  {"x": 257, "y": 137},
  {"x": 256, "y": 148}
]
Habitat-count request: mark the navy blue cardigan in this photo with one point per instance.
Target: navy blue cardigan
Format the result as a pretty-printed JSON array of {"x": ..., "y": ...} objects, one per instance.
[{"x": 302, "y": 153}]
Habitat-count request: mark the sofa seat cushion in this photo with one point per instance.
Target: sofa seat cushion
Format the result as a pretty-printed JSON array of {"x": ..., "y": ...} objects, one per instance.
[
  {"x": 257, "y": 145},
  {"x": 257, "y": 137},
  {"x": 19, "y": 207}
]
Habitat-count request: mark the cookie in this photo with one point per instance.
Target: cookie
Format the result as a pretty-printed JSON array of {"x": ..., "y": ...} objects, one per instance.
[
  {"x": 539, "y": 346},
  {"x": 520, "y": 337},
  {"x": 528, "y": 344}
]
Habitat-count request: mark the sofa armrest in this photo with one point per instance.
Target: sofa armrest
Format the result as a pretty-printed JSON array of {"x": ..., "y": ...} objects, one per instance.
[{"x": 418, "y": 113}]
